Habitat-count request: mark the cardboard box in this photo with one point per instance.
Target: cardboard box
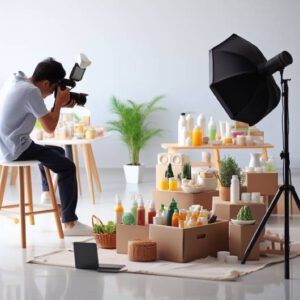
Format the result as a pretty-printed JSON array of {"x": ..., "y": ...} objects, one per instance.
[
  {"x": 226, "y": 211},
  {"x": 184, "y": 200},
  {"x": 265, "y": 183},
  {"x": 161, "y": 169},
  {"x": 127, "y": 233},
  {"x": 239, "y": 238},
  {"x": 293, "y": 208},
  {"x": 184, "y": 245}
]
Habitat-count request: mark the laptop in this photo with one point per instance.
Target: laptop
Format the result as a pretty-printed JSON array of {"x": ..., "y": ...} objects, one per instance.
[{"x": 86, "y": 257}]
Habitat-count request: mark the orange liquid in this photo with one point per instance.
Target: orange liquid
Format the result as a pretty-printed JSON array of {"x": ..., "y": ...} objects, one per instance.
[
  {"x": 164, "y": 184},
  {"x": 197, "y": 137},
  {"x": 175, "y": 220},
  {"x": 173, "y": 185},
  {"x": 182, "y": 215}
]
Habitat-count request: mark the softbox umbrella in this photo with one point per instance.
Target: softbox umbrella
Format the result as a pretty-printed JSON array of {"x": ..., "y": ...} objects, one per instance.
[{"x": 246, "y": 93}]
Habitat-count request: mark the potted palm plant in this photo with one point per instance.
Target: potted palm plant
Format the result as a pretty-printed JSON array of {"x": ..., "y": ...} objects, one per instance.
[
  {"x": 228, "y": 167},
  {"x": 132, "y": 124}
]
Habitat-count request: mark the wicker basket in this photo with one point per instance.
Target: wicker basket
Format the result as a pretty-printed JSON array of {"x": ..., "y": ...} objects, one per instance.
[
  {"x": 142, "y": 251},
  {"x": 104, "y": 240}
]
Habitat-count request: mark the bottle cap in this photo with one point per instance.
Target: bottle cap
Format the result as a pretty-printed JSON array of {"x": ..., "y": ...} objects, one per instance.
[{"x": 182, "y": 114}]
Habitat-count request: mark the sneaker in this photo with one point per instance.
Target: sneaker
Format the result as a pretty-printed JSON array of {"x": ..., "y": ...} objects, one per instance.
[
  {"x": 45, "y": 198},
  {"x": 78, "y": 229}
]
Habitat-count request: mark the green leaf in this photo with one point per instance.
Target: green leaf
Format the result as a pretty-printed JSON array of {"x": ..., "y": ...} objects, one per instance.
[{"x": 132, "y": 124}]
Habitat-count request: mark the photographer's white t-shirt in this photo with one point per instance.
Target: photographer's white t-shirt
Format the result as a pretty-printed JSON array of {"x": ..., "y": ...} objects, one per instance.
[{"x": 21, "y": 103}]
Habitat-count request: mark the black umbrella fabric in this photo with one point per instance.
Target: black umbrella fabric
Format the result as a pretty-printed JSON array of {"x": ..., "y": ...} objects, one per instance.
[{"x": 245, "y": 94}]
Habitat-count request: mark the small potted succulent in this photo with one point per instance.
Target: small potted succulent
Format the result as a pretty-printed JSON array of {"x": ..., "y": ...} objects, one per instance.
[
  {"x": 133, "y": 126},
  {"x": 228, "y": 167}
]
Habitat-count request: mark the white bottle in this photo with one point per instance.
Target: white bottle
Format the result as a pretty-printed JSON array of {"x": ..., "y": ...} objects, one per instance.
[
  {"x": 212, "y": 129},
  {"x": 181, "y": 126},
  {"x": 119, "y": 210},
  {"x": 234, "y": 189},
  {"x": 189, "y": 125},
  {"x": 202, "y": 123}
]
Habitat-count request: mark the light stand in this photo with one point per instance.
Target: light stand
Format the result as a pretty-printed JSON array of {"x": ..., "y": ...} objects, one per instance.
[{"x": 287, "y": 187}]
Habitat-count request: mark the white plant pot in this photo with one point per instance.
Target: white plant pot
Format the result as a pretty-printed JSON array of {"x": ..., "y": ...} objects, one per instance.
[{"x": 133, "y": 174}]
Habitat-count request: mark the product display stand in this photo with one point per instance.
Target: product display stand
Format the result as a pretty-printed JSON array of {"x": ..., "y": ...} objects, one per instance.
[{"x": 171, "y": 148}]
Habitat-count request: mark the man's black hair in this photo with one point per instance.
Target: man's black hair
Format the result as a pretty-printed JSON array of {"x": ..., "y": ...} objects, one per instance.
[{"x": 49, "y": 69}]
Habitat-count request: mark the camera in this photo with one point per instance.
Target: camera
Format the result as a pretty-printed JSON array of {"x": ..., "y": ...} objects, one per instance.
[{"x": 76, "y": 75}]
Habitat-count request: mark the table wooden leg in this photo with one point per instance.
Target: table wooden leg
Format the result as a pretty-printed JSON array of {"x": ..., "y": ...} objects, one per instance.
[
  {"x": 22, "y": 207},
  {"x": 3, "y": 180},
  {"x": 13, "y": 176},
  {"x": 94, "y": 167},
  {"x": 264, "y": 154},
  {"x": 54, "y": 204},
  {"x": 76, "y": 162},
  {"x": 88, "y": 170},
  {"x": 28, "y": 193},
  {"x": 217, "y": 159}
]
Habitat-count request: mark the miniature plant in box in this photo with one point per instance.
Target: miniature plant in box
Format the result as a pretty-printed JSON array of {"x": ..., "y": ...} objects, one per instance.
[
  {"x": 169, "y": 172},
  {"x": 245, "y": 214},
  {"x": 187, "y": 171},
  {"x": 228, "y": 168}
]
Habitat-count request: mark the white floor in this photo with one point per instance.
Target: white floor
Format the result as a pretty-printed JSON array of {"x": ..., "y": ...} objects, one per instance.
[{"x": 19, "y": 280}]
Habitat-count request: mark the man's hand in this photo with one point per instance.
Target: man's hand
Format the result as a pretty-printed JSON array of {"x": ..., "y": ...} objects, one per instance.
[
  {"x": 62, "y": 97},
  {"x": 71, "y": 103}
]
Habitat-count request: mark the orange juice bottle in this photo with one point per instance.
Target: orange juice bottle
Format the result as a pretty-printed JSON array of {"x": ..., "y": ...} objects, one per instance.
[
  {"x": 182, "y": 214},
  {"x": 175, "y": 218},
  {"x": 119, "y": 210},
  {"x": 200, "y": 221},
  {"x": 173, "y": 184},
  {"x": 164, "y": 184},
  {"x": 197, "y": 136}
]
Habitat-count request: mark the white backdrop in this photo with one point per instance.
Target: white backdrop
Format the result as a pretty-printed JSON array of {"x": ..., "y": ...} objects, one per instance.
[{"x": 144, "y": 48}]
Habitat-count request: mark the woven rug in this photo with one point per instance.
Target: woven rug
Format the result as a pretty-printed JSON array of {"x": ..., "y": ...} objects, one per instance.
[{"x": 208, "y": 268}]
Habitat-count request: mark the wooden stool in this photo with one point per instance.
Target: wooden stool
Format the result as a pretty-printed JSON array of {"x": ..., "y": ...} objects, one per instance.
[{"x": 25, "y": 192}]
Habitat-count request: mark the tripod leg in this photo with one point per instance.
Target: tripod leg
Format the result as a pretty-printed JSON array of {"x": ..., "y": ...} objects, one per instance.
[
  {"x": 286, "y": 234},
  {"x": 295, "y": 196},
  {"x": 262, "y": 224}
]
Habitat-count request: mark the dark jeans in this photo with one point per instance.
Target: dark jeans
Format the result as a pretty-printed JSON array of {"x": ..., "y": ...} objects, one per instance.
[{"x": 54, "y": 158}]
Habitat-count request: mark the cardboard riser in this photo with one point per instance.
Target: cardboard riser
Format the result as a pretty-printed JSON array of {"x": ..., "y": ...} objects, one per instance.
[
  {"x": 184, "y": 245},
  {"x": 126, "y": 233},
  {"x": 265, "y": 183},
  {"x": 239, "y": 238},
  {"x": 227, "y": 211},
  {"x": 184, "y": 200}
]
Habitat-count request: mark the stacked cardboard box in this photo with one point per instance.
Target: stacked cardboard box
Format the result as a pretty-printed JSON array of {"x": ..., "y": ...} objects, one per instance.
[
  {"x": 126, "y": 233},
  {"x": 227, "y": 211},
  {"x": 239, "y": 238},
  {"x": 184, "y": 245}
]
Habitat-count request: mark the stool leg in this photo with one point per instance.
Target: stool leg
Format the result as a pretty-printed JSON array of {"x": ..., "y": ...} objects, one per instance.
[
  {"x": 28, "y": 191},
  {"x": 54, "y": 203},
  {"x": 94, "y": 167},
  {"x": 76, "y": 161},
  {"x": 3, "y": 179},
  {"x": 14, "y": 175},
  {"x": 22, "y": 207}
]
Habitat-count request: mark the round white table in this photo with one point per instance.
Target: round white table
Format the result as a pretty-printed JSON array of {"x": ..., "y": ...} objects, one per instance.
[{"x": 71, "y": 147}]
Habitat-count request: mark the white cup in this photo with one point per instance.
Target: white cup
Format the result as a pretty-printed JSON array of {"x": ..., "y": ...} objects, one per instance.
[
  {"x": 222, "y": 256},
  {"x": 246, "y": 197},
  {"x": 255, "y": 197},
  {"x": 206, "y": 157},
  {"x": 232, "y": 259}
]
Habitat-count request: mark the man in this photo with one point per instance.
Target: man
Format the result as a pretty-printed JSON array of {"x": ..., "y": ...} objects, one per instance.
[{"x": 21, "y": 104}]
